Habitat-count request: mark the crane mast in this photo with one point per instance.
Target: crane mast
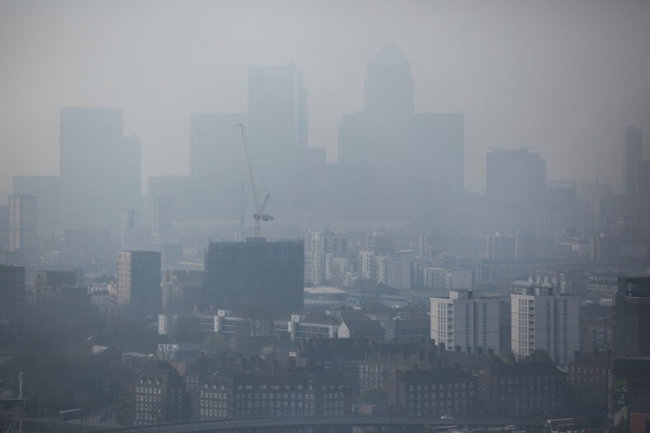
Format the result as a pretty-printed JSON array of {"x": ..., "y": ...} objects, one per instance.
[{"x": 259, "y": 214}]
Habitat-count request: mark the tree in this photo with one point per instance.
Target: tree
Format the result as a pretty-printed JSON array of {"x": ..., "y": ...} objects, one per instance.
[{"x": 374, "y": 396}]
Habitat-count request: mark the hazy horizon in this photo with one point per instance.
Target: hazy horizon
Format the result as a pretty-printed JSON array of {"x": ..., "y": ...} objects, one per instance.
[{"x": 562, "y": 78}]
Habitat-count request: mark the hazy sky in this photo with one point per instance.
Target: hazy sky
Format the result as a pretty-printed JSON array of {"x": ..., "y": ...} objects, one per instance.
[{"x": 561, "y": 76}]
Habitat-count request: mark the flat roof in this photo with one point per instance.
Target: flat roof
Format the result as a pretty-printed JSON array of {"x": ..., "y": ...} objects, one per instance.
[{"x": 323, "y": 290}]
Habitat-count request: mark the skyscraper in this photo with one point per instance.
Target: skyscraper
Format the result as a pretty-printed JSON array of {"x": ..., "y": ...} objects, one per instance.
[
  {"x": 4, "y": 227},
  {"x": 138, "y": 281},
  {"x": 100, "y": 168},
  {"x": 277, "y": 125},
  {"x": 389, "y": 88},
  {"x": 256, "y": 275},
  {"x": 632, "y": 158},
  {"x": 47, "y": 190},
  {"x": 217, "y": 164},
  {"x": 22, "y": 223},
  {"x": 515, "y": 187},
  {"x": 395, "y": 150}
]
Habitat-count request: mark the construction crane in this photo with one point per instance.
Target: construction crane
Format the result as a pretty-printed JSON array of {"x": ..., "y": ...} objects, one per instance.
[{"x": 259, "y": 214}]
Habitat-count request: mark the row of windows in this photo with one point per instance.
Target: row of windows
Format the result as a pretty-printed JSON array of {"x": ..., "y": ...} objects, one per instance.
[
  {"x": 441, "y": 395},
  {"x": 274, "y": 413},
  {"x": 276, "y": 404},
  {"x": 147, "y": 390},
  {"x": 148, "y": 398},
  {"x": 441, "y": 386},
  {"x": 538, "y": 379},
  {"x": 144, "y": 417},
  {"x": 211, "y": 403},
  {"x": 277, "y": 395},
  {"x": 147, "y": 408},
  {"x": 217, "y": 395},
  {"x": 275, "y": 387},
  {"x": 213, "y": 413}
]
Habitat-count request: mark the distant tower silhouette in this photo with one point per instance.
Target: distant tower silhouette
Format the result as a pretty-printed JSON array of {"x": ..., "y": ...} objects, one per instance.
[
  {"x": 389, "y": 83},
  {"x": 22, "y": 223},
  {"x": 633, "y": 157}
]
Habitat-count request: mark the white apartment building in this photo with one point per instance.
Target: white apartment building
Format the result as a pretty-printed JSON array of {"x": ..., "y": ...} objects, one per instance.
[
  {"x": 465, "y": 322},
  {"x": 541, "y": 320},
  {"x": 317, "y": 246}
]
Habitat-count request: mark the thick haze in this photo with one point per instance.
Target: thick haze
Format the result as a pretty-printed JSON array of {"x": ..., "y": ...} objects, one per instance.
[{"x": 562, "y": 77}]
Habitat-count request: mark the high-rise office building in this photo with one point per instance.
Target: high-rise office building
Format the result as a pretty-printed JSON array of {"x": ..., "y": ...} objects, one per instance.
[
  {"x": 217, "y": 164},
  {"x": 138, "y": 281},
  {"x": 543, "y": 320},
  {"x": 515, "y": 187},
  {"x": 173, "y": 188},
  {"x": 277, "y": 127},
  {"x": 47, "y": 190},
  {"x": 465, "y": 322},
  {"x": 4, "y": 227},
  {"x": 216, "y": 146},
  {"x": 389, "y": 87},
  {"x": 632, "y": 317},
  {"x": 395, "y": 150},
  {"x": 100, "y": 168},
  {"x": 22, "y": 223},
  {"x": 256, "y": 275},
  {"x": 514, "y": 176},
  {"x": 12, "y": 289},
  {"x": 632, "y": 158}
]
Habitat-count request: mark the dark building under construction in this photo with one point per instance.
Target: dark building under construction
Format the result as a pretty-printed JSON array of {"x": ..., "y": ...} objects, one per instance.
[{"x": 256, "y": 276}]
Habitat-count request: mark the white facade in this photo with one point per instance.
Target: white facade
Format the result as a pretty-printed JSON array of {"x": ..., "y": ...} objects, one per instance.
[
  {"x": 22, "y": 222},
  {"x": 367, "y": 264},
  {"x": 452, "y": 321},
  {"x": 541, "y": 320},
  {"x": 318, "y": 245},
  {"x": 461, "y": 321}
]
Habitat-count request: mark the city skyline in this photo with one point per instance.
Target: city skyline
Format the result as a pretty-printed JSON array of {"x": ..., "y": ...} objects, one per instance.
[{"x": 542, "y": 76}]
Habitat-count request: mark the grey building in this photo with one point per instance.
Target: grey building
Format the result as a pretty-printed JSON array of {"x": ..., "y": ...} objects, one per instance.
[
  {"x": 256, "y": 275},
  {"x": 396, "y": 150},
  {"x": 138, "y": 281},
  {"x": 12, "y": 289},
  {"x": 100, "y": 168},
  {"x": 217, "y": 164},
  {"x": 515, "y": 187},
  {"x": 632, "y": 158},
  {"x": 22, "y": 223},
  {"x": 277, "y": 126},
  {"x": 47, "y": 190},
  {"x": 632, "y": 318}
]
